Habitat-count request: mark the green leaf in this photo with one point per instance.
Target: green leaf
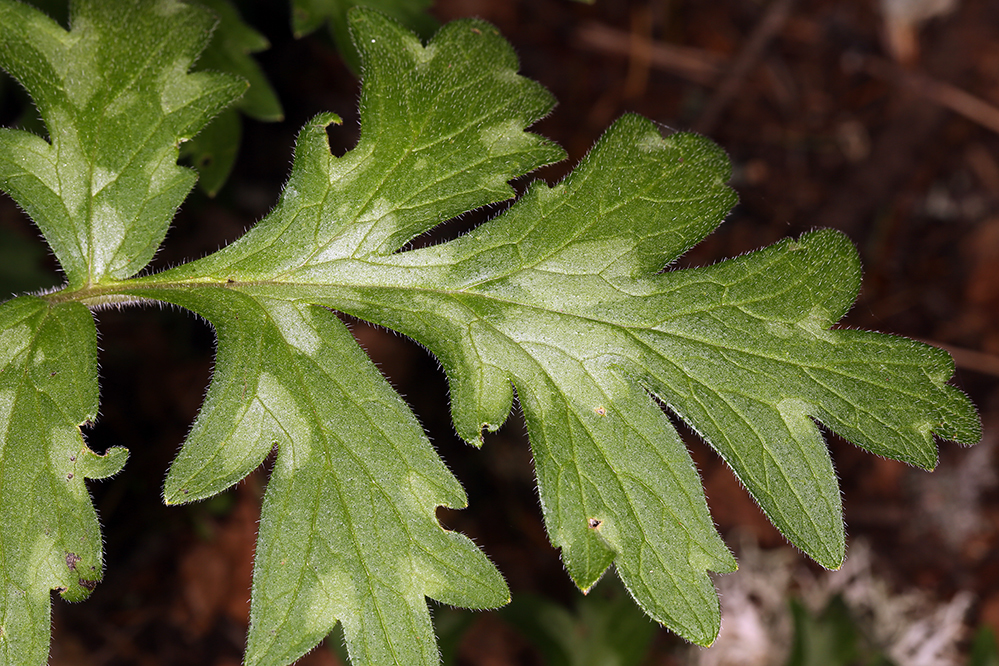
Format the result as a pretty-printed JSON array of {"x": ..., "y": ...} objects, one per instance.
[
  {"x": 562, "y": 301},
  {"x": 213, "y": 151},
  {"x": 229, "y": 51},
  {"x": 117, "y": 99},
  {"x": 562, "y": 298},
  {"x": 50, "y": 537},
  {"x": 348, "y": 530},
  {"x": 604, "y": 629},
  {"x": 831, "y": 638},
  {"x": 984, "y": 651},
  {"x": 441, "y": 134},
  {"x": 310, "y": 15},
  {"x": 22, "y": 265}
]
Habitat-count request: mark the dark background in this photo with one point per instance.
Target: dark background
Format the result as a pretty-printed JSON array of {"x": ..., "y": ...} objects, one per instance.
[{"x": 830, "y": 121}]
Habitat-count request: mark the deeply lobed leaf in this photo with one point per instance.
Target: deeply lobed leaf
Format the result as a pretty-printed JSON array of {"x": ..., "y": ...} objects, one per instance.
[
  {"x": 105, "y": 185},
  {"x": 348, "y": 530},
  {"x": 441, "y": 134},
  {"x": 563, "y": 299},
  {"x": 50, "y": 537}
]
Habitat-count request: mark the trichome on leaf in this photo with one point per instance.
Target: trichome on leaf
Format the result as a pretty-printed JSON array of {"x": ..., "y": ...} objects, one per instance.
[{"x": 561, "y": 298}]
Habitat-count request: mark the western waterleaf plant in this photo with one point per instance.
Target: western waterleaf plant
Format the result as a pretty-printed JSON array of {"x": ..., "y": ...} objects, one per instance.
[{"x": 562, "y": 301}]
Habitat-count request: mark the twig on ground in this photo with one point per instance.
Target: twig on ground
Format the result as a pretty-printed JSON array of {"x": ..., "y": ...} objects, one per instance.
[
  {"x": 696, "y": 65},
  {"x": 984, "y": 167},
  {"x": 771, "y": 23},
  {"x": 936, "y": 91}
]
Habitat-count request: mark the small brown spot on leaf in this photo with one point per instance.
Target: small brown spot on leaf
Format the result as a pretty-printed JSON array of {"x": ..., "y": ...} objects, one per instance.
[
  {"x": 600, "y": 411},
  {"x": 71, "y": 560},
  {"x": 594, "y": 523},
  {"x": 476, "y": 31},
  {"x": 88, "y": 585},
  {"x": 69, "y": 476}
]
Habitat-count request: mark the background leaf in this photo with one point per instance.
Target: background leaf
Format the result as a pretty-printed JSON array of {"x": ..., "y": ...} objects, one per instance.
[
  {"x": 605, "y": 628},
  {"x": 22, "y": 265},
  {"x": 213, "y": 151},
  {"x": 831, "y": 638},
  {"x": 309, "y": 15}
]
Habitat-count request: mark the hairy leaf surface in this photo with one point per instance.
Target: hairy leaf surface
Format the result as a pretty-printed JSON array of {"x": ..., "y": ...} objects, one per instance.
[
  {"x": 213, "y": 151},
  {"x": 564, "y": 302},
  {"x": 562, "y": 298},
  {"x": 310, "y": 15},
  {"x": 348, "y": 530},
  {"x": 105, "y": 186},
  {"x": 50, "y": 537}
]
